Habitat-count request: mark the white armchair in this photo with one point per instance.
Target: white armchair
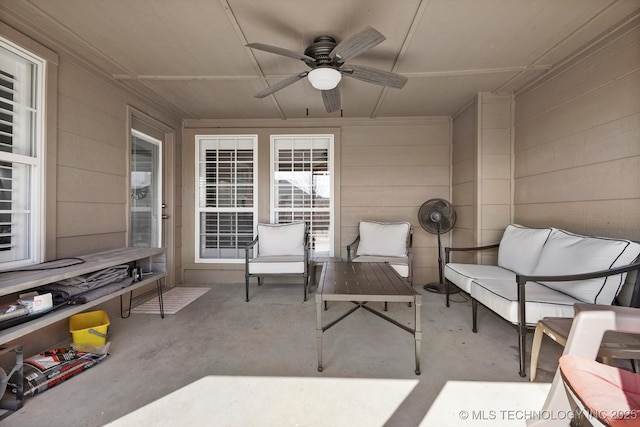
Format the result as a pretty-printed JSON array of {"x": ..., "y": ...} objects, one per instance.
[
  {"x": 278, "y": 250},
  {"x": 384, "y": 242}
]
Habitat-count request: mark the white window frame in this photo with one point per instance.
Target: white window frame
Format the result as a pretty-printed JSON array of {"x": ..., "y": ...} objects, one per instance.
[
  {"x": 331, "y": 170},
  {"x": 34, "y": 161},
  {"x": 199, "y": 194}
]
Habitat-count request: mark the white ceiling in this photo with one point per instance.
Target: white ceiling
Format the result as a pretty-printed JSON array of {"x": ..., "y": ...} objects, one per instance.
[{"x": 190, "y": 56}]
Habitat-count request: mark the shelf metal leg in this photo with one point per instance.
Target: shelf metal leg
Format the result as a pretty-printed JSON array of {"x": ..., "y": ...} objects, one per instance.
[
  {"x": 125, "y": 314},
  {"x": 160, "y": 299}
]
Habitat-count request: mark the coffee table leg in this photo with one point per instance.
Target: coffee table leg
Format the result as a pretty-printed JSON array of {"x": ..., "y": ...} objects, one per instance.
[
  {"x": 418, "y": 330},
  {"x": 319, "y": 329}
]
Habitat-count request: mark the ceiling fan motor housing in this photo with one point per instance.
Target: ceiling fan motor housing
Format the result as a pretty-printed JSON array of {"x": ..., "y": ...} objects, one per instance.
[{"x": 320, "y": 50}]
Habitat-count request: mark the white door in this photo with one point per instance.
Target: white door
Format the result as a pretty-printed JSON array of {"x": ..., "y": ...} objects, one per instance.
[{"x": 146, "y": 191}]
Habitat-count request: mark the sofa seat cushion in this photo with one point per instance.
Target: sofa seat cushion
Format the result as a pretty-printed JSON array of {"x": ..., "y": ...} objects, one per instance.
[
  {"x": 399, "y": 264},
  {"x": 568, "y": 253},
  {"x": 383, "y": 239},
  {"x": 281, "y": 239},
  {"x": 277, "y": 265},
  {"x": 520, "y": 248},
  {"x": 501, "y": 296},
  {"x": 462, "y": 275}
]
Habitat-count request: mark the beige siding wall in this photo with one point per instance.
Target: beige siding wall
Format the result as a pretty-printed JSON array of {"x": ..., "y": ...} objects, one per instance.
[
  {"x": 494, "y": 159},
  {"x": 577, "y": 143},
  {"x": 482, "y": 174},
  {"x": 385, "y": 169},
  {"x": 388, "y": 171},
  {"x": 87, "y": 162},
  {"x": 465, "y": 180},
  {"x": 92, "y": 198},
  {"x": 91, "y": 164}
]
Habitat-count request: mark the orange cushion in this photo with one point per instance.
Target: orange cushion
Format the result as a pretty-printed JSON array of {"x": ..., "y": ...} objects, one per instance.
[{"x": 612, "y": 395}]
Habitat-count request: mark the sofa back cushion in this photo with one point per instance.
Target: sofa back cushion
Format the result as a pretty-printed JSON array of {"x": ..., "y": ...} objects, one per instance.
[
  {"x": 281, "y": 239},
  {"x": 387, "y": 239},
  {"x": 568, "y": 253},
  {"x": 520, "y": 248}
]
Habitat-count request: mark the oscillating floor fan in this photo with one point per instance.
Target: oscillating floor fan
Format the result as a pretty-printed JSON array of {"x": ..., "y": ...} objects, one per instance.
[{"x": 437, "y": 216}]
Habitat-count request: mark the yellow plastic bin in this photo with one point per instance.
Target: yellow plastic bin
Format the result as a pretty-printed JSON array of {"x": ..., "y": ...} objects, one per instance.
[{"x": 89, "y": 327}]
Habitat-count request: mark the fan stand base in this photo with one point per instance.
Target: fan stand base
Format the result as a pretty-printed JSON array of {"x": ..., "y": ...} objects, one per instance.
[{"x": 440, "y": 288}]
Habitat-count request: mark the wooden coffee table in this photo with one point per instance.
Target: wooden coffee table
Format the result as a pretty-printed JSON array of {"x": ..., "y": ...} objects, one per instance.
[{"x": 362, "y": 282}]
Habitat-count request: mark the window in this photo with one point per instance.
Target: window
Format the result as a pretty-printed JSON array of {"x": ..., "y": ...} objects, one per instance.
[
  {"x": 226, "y": 205},
  {"x": 302, "y": 185},
  {"x": 21, "y": 148}
]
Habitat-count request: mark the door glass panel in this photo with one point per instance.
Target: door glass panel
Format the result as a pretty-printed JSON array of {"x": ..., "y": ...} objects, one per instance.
[{"x": 146, "y": 191}]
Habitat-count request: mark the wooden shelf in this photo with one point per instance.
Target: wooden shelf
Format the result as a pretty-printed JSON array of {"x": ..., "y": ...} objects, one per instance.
[{"x": 16, "y": 282}]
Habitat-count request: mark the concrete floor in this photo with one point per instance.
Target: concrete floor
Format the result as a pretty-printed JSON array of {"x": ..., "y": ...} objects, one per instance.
[{"x": 273, "y": 335}]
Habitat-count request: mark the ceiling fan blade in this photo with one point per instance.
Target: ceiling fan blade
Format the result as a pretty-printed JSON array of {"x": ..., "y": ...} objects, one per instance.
[
  {"x": 375, "y": 76},
  {"x": 331, "y": 98},
  {"x": 356, "y": 44},
  {"x": 280, "y": 85},
  {"x": 281, "y": 51}
]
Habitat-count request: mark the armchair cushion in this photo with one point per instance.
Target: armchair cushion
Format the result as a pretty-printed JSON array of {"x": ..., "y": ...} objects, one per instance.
[
  {"x": 611, "y": 394},
  {"x": 567, "y": 253},
  {"x": 281, "y": 239},
  {"x": 520, "y": 248},
  {"x": 291, "y": 264},
  {"x": 383, "y": 239}
]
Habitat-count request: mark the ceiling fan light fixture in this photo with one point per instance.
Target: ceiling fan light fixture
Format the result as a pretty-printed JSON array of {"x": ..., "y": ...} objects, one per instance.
[{"x": 324, "y": 78}]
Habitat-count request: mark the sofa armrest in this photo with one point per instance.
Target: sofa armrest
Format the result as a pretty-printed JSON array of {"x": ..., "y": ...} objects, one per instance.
[
  {"x": 448, "y": 249},
  {"x": 522, "y": 279},
  {"x": 353, "y": 246}
]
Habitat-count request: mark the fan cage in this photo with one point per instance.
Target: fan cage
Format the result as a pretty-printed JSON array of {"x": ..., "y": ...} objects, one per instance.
[{"x": 441, "y": 225}]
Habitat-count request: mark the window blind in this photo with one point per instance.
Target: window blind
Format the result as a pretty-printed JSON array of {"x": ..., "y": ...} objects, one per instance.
[
  {"x": 227, "y": 188},
  {"x": 302, "y": 185}
]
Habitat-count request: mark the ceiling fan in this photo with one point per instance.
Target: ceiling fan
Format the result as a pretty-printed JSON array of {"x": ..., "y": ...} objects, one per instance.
[{"x": 327, "y": 58}]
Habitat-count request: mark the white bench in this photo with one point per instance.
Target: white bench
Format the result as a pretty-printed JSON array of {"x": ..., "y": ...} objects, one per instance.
[{"x": 543, "y": 272}]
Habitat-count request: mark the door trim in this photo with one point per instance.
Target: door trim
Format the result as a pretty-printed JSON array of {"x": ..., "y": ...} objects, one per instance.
[{"x": 168, "y": 177}]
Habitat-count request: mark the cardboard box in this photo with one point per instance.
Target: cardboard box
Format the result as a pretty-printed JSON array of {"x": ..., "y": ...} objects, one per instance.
[{"x": 36, "y": 303}]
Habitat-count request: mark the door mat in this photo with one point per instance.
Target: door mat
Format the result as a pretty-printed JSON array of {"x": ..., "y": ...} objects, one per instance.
[{"x": 174, "y": 300}]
